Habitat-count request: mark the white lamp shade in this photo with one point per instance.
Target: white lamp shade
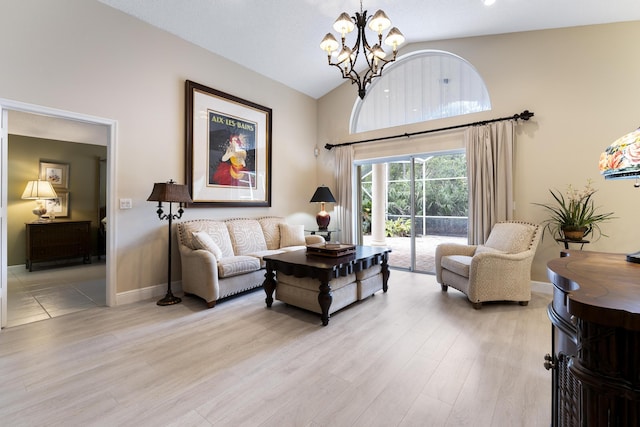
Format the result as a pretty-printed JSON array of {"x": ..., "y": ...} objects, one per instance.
[
  {"x": 395, "y": 38},
  {"x": 377, "y": 51},
  {"x": 379, "y": 22},
  {"x": 344, "y": 24},
  {"x": 329, "y": 43},
  {"x": 344, "y": 55},
  {"x": 39, "y": 190}
]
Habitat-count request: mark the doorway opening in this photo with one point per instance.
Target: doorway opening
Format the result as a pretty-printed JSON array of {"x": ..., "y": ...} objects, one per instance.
[{"x": 64, "y": 121}]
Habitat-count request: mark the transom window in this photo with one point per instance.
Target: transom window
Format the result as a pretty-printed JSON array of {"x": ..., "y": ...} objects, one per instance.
[{"x": 418, "y": 87}]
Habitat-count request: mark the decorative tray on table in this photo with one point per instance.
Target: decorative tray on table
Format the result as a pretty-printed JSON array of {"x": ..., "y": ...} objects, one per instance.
[{"x": 331, "y": 249}]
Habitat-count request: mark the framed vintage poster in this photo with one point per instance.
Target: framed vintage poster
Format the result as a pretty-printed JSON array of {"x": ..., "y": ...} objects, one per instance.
[
  {"x": 56, "y": 173},
  {"x": 58, "y": 207},
  {"x": 228, "y": 149}
]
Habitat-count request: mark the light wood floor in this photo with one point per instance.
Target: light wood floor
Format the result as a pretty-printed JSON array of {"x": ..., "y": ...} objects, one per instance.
[{"x": 411, "y": 357}]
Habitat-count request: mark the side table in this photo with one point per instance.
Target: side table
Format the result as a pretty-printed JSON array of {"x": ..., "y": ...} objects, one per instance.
[
  {"x": 326, "y": 233},
  {"x": 567, "y": 241}
]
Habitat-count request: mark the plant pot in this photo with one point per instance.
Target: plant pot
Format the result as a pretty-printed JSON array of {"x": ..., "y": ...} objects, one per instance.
[{"x": 574, "y": 234}]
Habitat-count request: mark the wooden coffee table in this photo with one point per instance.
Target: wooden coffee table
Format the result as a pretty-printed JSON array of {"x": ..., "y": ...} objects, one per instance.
[{"x": 300, "y": 264}]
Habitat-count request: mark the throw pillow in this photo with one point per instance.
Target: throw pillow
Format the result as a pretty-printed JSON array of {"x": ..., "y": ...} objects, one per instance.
[
  {"x": 291, "y": 235},
  {"x": 202, "y": 240}
]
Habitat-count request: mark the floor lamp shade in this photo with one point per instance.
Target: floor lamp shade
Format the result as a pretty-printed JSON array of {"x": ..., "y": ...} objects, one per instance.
[
  {"x": 322, "y": 195},
  {"x": 169, "y": 192}
]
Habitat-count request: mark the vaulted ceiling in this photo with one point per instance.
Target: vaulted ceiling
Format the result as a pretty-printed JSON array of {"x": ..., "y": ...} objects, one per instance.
[{"x": 280, "y": 38}]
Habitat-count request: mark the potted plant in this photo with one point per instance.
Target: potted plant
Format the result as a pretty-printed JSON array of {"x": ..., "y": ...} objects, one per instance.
[{"x": 574, "y": 215}]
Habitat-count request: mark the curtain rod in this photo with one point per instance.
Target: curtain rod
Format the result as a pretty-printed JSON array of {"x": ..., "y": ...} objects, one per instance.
[{"x": 525, "y": 115}]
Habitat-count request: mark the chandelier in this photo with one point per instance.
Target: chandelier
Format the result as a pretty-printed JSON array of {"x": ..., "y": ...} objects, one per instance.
[{"x": 375, "y": 56}]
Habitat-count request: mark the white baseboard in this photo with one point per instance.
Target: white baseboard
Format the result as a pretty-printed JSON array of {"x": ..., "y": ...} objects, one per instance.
[{"x": 150, "y": 292}]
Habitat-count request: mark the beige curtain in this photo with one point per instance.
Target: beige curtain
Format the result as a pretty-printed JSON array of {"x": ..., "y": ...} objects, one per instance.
[
  {"x": 490, "y": 177},
  {"x": 344, "y": 196}
]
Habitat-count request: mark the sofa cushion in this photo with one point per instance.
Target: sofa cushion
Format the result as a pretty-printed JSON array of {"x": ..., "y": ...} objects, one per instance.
[
  {"x": 201, "y": 240},
  {"x": 458, "y": 264},
  {"x": 246, "y": 236},
  {"x": 291, "y": 235},
  {"x": 271, "y": 230},
  {"x": 261, "y": 254},
  {"x": 217, "y": 230},
  {"x": 234, "y": 265}
]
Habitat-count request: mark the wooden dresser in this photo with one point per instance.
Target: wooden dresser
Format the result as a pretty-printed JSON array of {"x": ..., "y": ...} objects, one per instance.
[
  {"x": 49, "y": 241},
  {"x": 595, "y": 316}
]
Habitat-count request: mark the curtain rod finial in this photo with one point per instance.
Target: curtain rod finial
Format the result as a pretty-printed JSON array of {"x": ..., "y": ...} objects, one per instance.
[{"x": 525, "y": 115}]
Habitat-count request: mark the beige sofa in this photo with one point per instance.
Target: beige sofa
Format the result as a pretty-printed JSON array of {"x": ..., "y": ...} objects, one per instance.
[{"x": 221, "y": 258}]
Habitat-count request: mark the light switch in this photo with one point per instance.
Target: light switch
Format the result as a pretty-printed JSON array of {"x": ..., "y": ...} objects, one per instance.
[{"x": 125, "y": 204}]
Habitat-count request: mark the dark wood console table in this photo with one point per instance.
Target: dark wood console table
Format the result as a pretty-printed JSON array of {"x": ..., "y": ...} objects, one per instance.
[
  {"x": 49, "y": 241},
  {"x": 595, "y": 316},
  {"x": 299, "y": 264}
]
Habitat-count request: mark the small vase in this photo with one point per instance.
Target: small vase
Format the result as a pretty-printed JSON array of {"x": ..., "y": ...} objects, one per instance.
[{"x": 574, "y": 234}]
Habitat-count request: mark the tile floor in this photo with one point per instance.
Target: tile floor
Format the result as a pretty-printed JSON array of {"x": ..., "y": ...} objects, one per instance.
[{"x": 53, "y": 291}]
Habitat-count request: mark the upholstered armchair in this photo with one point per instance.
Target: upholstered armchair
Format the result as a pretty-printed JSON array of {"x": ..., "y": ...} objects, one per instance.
[{"x": 499, "y": 270}]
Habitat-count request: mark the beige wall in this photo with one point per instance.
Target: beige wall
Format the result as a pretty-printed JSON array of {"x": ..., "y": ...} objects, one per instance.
[
  {"x": 582, "y": 84},
  {"x": 85, "y": 57},
  {"x": 25, "y": 155}
]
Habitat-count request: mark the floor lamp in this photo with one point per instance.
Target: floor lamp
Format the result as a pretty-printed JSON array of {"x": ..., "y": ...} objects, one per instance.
[{"x": 172, "y": 193}]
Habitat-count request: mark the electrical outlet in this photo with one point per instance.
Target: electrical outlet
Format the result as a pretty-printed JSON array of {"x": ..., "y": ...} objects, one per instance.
[{"x": 125, "y": 204}]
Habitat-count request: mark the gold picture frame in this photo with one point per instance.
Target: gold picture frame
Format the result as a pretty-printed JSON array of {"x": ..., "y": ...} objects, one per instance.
[
  {"x": 58, "y": 206},
  {"x": 56, "y": 173}
]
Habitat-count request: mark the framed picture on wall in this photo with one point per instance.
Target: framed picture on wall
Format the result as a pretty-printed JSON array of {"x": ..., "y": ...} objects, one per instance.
[
  {"x": 56, "y": 173},
  {"x": 228, "y": 149},
  {"x": 59, "y": 206}
]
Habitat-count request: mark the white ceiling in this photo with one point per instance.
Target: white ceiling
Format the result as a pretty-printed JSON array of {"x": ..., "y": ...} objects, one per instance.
[{"x": 280, "y": 38}]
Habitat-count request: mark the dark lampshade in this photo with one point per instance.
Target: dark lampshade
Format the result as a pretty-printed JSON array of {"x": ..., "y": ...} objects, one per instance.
[
  {"x": 323, "y": 195},
  {"x": 169, "y": 192}
]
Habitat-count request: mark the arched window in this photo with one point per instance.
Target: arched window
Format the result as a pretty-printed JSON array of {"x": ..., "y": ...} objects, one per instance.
[{"x": 421, "y": 86}]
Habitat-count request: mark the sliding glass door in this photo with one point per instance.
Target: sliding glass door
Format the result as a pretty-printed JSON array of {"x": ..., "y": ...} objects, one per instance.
[{"x": 423, "y": 202}]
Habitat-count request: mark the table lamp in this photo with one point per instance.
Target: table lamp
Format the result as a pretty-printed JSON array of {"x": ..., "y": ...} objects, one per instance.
[
  {"x": 323, "y": 195},
  {"x": 39, "y": 191},
  {"x": 621, "y": 160},
  {"x": 172, "y": 193}
]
